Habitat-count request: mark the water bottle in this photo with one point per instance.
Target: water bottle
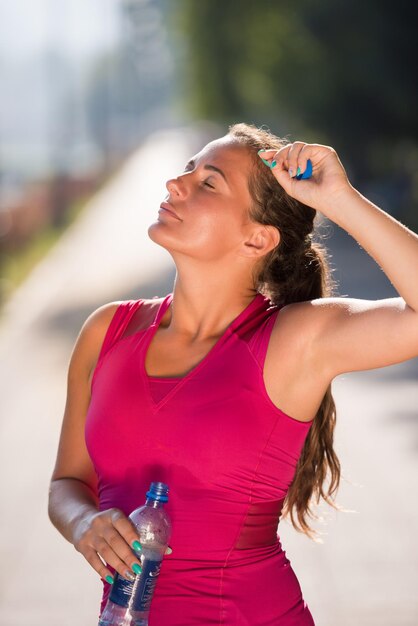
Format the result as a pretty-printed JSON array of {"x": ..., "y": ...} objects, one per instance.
[{"x": 129, "y": 601}]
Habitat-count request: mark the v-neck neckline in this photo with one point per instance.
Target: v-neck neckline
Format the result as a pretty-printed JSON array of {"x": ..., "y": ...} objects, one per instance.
[{"x": 181, "y": 380}]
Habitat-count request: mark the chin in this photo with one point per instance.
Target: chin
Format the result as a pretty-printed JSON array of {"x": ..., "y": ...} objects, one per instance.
[
  {"x": 158, "y": 233},
  {"x": 155, "y": 234}
]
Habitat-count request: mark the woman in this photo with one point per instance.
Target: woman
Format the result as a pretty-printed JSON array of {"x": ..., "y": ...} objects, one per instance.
[{"x": 222, "y": 388}]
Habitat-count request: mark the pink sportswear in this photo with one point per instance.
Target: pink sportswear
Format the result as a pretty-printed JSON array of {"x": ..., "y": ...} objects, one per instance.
[{"x": 228, "y": 455}]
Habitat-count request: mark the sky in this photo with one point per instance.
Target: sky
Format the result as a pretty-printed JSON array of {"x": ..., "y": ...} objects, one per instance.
[{"x": 81, "y": 26}]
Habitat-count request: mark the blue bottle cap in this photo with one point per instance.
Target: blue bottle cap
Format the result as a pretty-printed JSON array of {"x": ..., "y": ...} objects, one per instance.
[
  {"x": 307, "y": 173},
  {"x": 158, "y": 491}
]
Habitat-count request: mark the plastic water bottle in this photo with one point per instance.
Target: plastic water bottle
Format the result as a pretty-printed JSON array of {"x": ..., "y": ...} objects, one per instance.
[{"x": 129, "y": 601}]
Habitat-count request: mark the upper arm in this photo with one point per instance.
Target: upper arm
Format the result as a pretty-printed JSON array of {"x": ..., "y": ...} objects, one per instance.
[
  {"x": 353, "y": 334},
  {"x": 73, "y": 460}
]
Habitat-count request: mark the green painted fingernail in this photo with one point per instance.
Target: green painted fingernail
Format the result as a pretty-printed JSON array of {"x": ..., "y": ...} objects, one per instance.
[
  {"x": 262, "y": 150},
  {"x": 136, "y": 568},
  {"x": 266, "y": 162},
  {"x": 273, "y": 164},
  {"x": 137, "y": 546},
  {"x": 298, "y": 171},
  {"x": 109, "y": 579}
]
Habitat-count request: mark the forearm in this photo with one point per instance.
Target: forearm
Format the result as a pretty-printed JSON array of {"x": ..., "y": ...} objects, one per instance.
[
  {"x": 70, "y": 501},
  {"x": 391, "y": 244}
]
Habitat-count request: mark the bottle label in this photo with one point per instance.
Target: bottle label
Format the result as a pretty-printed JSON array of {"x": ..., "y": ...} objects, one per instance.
[{"x": 137, "y": 594}]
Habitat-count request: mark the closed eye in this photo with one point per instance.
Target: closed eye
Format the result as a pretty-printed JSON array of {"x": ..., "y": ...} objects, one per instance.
[{"x": 187, "y": 169}]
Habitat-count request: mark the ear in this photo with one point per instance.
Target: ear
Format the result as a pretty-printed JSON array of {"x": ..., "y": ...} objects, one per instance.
[{"x": 261, "y": 240}]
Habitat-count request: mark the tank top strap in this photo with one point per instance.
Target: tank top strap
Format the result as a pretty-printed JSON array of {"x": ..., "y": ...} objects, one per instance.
[
  {"x": 118, "y": 323},
  {"x": 259, "y": 340},
  {"x": 162, "y": 308},
  {"x": 143, "y": 318}
]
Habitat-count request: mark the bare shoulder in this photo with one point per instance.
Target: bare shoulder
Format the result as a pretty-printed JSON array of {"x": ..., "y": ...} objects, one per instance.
[
  {"x": 299, "y": 322},
  {"x": 300, "y": 327},
  {"x": 295, "y": 376},
  {"x": 95, "y": 327},
  {"x": 293, "y": 342},
  {"x": 91, "y": 336},
  {"x": 307, "y": 320}
]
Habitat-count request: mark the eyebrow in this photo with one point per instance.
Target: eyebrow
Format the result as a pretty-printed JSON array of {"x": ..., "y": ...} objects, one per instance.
[{"x": 208, "y": 167}]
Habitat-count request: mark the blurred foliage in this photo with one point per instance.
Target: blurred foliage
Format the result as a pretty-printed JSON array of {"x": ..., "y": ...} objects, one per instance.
[{"x": 324, "y": 71}]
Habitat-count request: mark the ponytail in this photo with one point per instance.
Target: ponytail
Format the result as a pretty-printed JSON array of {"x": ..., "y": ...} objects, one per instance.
[{"x": 295, "y": 271}]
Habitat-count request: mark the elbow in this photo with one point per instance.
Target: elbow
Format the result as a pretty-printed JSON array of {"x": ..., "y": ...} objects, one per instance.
[{"x": 51, "y": 498}]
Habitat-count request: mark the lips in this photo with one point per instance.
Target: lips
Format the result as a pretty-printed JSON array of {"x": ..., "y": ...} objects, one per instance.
[{"x": 167, "y": 207}]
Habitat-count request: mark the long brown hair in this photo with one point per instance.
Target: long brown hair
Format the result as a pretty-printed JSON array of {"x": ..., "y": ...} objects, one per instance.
[{"x": 297, "y": 269}]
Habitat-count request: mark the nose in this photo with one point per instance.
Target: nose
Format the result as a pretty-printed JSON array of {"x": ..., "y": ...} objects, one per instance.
[{"x": 175, "y": 187}]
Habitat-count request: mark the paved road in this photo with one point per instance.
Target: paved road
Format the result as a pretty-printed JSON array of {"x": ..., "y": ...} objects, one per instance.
[{"x": 365, "y": 572}]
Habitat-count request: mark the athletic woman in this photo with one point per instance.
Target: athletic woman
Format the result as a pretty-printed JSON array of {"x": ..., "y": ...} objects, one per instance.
[{"x": 222, "y": 388}]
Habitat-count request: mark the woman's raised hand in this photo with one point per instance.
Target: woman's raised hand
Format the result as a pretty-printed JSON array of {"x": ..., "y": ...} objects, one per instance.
[
  {"x": 328, "y": 179},
  {"x": 112, "y": 536}
]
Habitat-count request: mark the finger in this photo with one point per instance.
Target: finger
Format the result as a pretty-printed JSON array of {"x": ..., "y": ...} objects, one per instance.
[
  {"x": 127, "y": 530},
  {"x": 304, "y": 163},
  {"x": 277, "y": 159},
  {"x": 122, "y": 550},
  {"x": 274, "y": 154},
  {"x": 106, "y": 552},
  {"x": 97, "y": 564},
  {"x": 302, "y": 160},
  {"x": 293, "y": 158}
]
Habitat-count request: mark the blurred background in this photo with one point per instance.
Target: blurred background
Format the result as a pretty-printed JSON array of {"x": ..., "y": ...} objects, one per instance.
[{"x": 103, "y": 101}]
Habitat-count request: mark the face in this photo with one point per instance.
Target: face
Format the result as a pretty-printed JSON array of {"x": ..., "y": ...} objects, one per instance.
[{"x": 211, "y": 199}]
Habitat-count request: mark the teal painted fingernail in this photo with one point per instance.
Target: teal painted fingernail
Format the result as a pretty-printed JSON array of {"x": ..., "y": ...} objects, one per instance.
[
  {"x": 273, "y": 164},
  {"x": 109, "y": 579},
  {"x": 137, "y": 546},
  {"x": 298, "y": 171},
  {"x": 262, "y": 150},
  {"x": 136, "y": 568},
  {"x": 266, "y": 162}
]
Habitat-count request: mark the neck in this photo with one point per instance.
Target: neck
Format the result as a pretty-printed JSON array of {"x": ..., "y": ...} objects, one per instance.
[{"x": 203, "y": 310}]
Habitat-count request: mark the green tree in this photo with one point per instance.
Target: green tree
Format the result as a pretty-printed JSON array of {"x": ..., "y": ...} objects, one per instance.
[{"x": 332, "y": 72}]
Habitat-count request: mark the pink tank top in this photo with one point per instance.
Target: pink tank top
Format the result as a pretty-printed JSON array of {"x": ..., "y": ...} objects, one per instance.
[{"x": 227, "y": 453}]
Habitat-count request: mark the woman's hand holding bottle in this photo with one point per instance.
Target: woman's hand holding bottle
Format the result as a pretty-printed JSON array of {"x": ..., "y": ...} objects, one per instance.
[{"x": 111, "y": 536}]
